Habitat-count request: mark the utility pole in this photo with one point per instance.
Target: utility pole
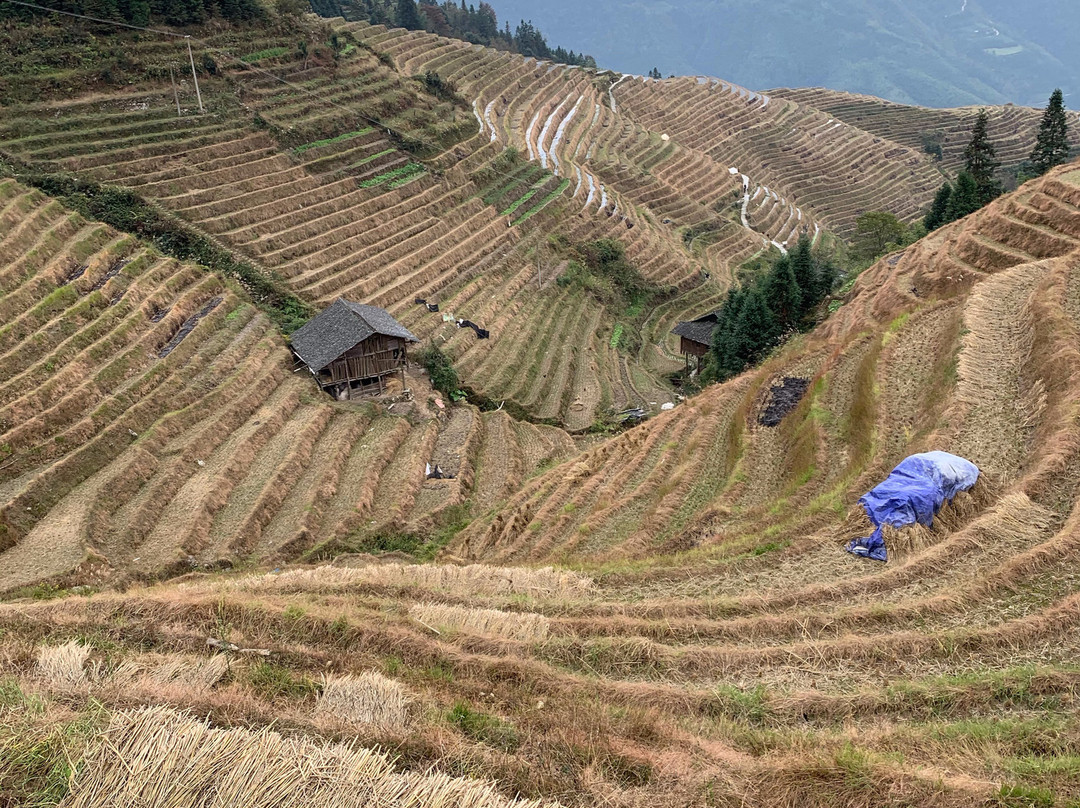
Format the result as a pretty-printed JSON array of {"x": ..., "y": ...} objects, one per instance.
[
  {"x": 175, "y": 95},
  {"x": 192, "y": 60},
  {"x": 539, "y": 277}
]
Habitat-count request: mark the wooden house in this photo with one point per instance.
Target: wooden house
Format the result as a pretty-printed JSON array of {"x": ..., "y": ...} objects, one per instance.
[
  {"x": 695, "y": 336},
  {"x": 351, "y": 349}
]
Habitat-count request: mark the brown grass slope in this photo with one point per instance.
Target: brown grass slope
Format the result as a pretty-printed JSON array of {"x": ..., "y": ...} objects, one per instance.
[{"x": 149, "y": 421}]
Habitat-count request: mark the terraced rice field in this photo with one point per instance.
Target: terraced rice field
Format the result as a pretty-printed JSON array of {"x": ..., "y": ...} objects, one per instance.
[
  {"x": 150, "y": 422},
  {"x": 713, "y": 641},
  {"x": 301, "y": 165},
  {"x": 665, "y": 617},
  {"x": 1013, "y": 129}
]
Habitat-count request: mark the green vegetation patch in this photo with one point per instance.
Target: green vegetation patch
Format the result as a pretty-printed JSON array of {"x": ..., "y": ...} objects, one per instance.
[
  {"x": 371, "y": 158},
  {"x": 331, "y": 140},
  {"x": 422, "y": 545},
  {"x": 396, "y": 176},
  {"x": 547, "y": 200},
  {"x": 483, "y": 727},
  {"x": 520, "y": 201},
  {"x": 272, "y": 681},
  {"x": 37, "y": 756},
  {"x": 268, "y": 53},
  {"x": 441, "y": 372}
]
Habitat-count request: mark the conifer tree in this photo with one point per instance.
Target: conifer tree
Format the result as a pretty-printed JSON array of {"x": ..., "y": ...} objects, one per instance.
[
  {"x": 802, "y": 267},
  {"x": 981, "y": 160},
  {"x": 939, "y": 210},
  {"x": 964, "y": 199},
  {"x": 723, "y": 345},
  {"x": 783, "y": 295},
  {"x": 1052, "y": 146},
  {"x": 407, "y": 16},
  {"x": 756, "y": 330},
  {"x": 825, "y": 274}
]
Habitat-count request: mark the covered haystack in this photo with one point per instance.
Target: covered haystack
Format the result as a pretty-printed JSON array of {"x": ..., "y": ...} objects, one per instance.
[{"x": 926, "y": 497}]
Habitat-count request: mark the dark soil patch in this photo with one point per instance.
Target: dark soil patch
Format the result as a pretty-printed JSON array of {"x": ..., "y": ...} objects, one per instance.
[
  {"x": 188, "y": 327},
  {"x": 783, "y": 398}
]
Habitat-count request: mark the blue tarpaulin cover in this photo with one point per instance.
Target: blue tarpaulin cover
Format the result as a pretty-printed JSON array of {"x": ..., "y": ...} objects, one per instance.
[{"x": 914, "y": 491}]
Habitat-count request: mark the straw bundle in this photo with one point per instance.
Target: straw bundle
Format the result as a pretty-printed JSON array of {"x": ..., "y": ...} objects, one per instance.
[
  {"x": 475, "y": 578},
  {"x": 62, "y": 665},
  {"x": 194, "y": 673},
  {"x": 157, "y": 758},
  {"x": 369, "y": 699},
  {"x": 525, "y": 626}
]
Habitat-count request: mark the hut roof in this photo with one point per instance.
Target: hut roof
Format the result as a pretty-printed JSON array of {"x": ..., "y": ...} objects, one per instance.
[
  {"x": 699, "y": 330},
  {"x": 341, "y": 326}
]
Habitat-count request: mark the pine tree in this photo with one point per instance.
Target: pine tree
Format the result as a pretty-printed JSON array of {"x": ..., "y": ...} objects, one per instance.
[
  {"x": 1052, "y": 146},
  {"x": 981, "y": 160},
  {"x": 783, "y": 295},
  {"x": 802, "y": 267},
  {"x": 723, "y": 344},
  {"x": 964, "y": 199},
  {"x": 756, "y": 330},
  {"x": 407, "y": 16},
  {"x": 939, "y": 210},
  {"x": 825, "y": 275}
]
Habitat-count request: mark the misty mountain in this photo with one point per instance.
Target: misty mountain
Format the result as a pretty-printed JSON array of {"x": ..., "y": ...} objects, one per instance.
[{"x": 928, "y": 52}]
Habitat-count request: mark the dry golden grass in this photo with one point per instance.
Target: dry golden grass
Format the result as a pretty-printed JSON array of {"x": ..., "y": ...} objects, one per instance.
[
  {"x": 159, "y": 758},
  {"x": 193, "y": 673},
  {"x": 512, "y": 625},
  {"x": 63, "y": 665},
  {"x": 475, "y": 578},
  {"x": 369, "y": 699}
]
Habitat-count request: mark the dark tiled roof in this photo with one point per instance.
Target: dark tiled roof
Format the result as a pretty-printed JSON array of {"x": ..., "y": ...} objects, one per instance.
[
  {"x": 699, "y": 330},
  {"x": 339, "y": 327}
]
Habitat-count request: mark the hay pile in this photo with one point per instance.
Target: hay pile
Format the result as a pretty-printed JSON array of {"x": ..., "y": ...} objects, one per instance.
[
  {"x": 905, "y": 541},
  {"x": 62, "y": 665},
  {"x": 158, "y": 758},
  {"x": 475, "y": 578},
  {"x": 369, "y": 699},
  {"x": 189, "y": 672},
  {"x": 524, "y": 626}
]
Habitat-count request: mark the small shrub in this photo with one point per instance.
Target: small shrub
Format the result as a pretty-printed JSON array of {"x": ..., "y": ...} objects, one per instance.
[
  {"x": 1017, "y": 796},
  {"x": 442, "y": 374},
  {"x": 485, "y": 728},
  {"x": 274, "y": 682}
]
